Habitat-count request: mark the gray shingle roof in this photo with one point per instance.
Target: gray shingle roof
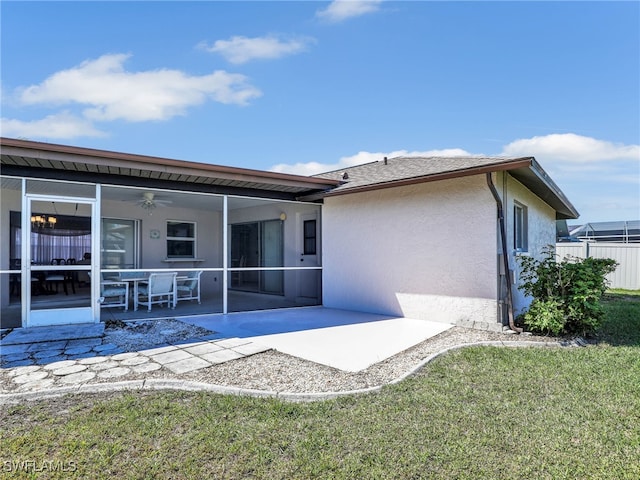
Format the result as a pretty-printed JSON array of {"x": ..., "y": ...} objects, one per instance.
[{"x": 406, "y": 168}]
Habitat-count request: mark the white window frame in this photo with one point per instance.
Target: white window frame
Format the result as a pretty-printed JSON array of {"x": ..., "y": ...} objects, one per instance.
[
  {"x": 182, "y": 239},
  {"x": 520, "y": 227}
]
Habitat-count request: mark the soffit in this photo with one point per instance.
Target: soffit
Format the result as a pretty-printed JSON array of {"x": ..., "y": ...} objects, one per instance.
[{"x": 35, "y": 155}]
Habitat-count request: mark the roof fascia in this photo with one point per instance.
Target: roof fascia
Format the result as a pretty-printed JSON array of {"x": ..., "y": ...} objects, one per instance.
[
  {"x": 63, "y": 153},
  {"x": 548, "y": 191}
]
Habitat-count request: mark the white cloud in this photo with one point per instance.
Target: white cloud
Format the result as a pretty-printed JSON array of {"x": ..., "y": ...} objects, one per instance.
[
  {"x": 239, "y": 49},
  {"x": 340, "y": 10},
  {"x": 569, "y": 147},
  {"x": 59, "y": 126},
  {"x": 112, "y": 93},
  {"x": 601, "y": 178},
  {"x": 312, "y": 168},
  {"x": 566, "y": 154}
]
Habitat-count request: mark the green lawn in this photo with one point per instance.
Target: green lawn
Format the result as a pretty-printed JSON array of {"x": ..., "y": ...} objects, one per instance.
[{"x": 481, "y": 412}]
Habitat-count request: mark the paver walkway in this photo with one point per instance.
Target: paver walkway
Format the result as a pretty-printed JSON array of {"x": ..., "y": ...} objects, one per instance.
[{"x": 38, "y": 365}]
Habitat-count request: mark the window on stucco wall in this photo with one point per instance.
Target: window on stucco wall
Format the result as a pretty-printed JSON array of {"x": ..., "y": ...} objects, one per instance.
[
  {"x": 181, "y": 239},
  {"x": 520, "y": 228}
]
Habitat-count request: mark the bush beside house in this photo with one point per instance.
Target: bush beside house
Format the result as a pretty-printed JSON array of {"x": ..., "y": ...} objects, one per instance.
[{"x": 566, "y": 294}]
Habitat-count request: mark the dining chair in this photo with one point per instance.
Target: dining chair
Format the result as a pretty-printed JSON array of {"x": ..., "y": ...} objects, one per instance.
[
  {"x": 57, "y": 277},
  {"x": 158, "y": 288},
  {"x": 189, "y": 288},
  {"x": 72, "y": 275}
]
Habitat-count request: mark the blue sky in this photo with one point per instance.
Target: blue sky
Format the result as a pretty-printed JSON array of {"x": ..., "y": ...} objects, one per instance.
[{"x": 304, "y": 87}]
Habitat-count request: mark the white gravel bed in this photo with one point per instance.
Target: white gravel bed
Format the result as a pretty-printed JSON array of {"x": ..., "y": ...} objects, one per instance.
[{"x": 140, "y": 335}]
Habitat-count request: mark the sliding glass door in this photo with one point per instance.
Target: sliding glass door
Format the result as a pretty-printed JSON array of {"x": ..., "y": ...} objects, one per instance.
[
  {"x": 258, "y": 244},
  {"x": 119, "y": 243},
  {"x": 271, "y": 249}
]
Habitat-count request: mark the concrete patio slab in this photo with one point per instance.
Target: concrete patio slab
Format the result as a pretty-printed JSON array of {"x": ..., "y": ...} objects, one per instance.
[
  {"x": 342, "y": 339},
  {"x": 355, "y": 347}
]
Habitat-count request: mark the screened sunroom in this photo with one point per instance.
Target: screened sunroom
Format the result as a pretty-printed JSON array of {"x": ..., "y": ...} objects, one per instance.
[{"x": 89, "y": 235}]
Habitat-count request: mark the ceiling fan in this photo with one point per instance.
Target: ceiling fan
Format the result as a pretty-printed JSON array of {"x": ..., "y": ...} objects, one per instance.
[{"x": 149, "y": 202}]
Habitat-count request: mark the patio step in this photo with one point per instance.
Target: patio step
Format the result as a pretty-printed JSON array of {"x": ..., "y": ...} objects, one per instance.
[{"x": 53, "y": 334}]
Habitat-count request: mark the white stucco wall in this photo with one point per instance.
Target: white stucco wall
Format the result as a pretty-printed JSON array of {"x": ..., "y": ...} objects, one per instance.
[
  {"x": 541, "y": 229},
  {"x": 426, "y": 251}
]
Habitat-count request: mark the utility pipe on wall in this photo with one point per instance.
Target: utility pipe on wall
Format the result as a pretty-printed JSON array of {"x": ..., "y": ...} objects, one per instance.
[{"x": 505, "y": 255}]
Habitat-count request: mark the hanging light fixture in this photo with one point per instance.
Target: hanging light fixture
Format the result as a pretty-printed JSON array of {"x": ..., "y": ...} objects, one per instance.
[{"x": 42, "y": 221}]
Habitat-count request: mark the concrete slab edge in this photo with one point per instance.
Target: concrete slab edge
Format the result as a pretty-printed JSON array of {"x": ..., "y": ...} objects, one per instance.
[{"x": 190, "y": 386}]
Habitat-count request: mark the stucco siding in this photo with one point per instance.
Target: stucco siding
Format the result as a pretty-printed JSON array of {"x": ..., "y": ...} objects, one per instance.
[
  {"x": 425, "y": 251},
  {"x": 541, "y": 220}
]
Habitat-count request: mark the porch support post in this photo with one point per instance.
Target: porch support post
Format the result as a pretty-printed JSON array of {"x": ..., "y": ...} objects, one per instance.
[
  {"x": 25, "y": 263},
  {"x": 225, "y": 254},
  {"x": 96, "y": 254}
]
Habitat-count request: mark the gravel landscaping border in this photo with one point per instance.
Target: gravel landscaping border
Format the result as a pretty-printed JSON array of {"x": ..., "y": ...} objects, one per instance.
[{"x": 275, "y": 374}]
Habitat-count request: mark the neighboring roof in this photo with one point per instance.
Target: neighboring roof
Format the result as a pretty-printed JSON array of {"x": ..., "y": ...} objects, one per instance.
[
  {"x": 618, "y": 231},
  {"x": 400, "y": 171},
  {"x": 16, "y": 154}
]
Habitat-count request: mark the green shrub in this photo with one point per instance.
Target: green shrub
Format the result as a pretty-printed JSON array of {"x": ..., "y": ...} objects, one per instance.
[
  {"x": 545, "y": 316},
  {"x": 566, "y": 294}
]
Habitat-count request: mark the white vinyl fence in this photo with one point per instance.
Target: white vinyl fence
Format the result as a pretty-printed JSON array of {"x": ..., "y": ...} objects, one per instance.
[{"x": 626, "y": 276}]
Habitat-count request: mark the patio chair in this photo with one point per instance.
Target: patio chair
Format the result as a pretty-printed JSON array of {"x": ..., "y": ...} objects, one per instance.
[
  {"x": 159, "y": 288},
  {"x": 114, "y": 294},
  {"x": 189, "y": 288}
]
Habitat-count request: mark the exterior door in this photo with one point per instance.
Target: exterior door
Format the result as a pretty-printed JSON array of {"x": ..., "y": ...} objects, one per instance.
[
  {"x": 309, "y": 281},
  {"x": 58, "y": 248}
]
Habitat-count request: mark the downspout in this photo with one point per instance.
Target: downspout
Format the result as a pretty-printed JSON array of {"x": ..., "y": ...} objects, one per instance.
[{"x": 505, "y": 256}]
